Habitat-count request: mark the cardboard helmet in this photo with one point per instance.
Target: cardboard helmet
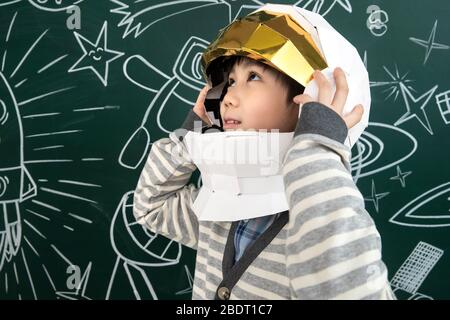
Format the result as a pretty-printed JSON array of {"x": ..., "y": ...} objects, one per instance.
[{"x": 293, "y": 41}]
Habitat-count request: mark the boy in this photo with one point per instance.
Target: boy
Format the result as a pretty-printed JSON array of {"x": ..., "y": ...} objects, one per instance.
[{"x": 325, "y": 246}]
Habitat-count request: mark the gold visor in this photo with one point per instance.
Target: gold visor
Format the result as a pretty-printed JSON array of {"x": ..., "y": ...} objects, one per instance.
[{"x": 271, "y": 38}]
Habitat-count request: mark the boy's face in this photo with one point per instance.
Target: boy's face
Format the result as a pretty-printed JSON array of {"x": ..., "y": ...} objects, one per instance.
[{"x": 257, "y": 100}]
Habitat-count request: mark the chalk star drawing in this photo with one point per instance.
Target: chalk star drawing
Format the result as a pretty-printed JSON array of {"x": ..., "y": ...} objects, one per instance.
[
  {"x": 415, "y": 107},
  {"x": 429, "y": 44},
  {"x": 376, "y": 196},
  {"x": 96, "y": 56},
  {"x": 394, "y": 83},
  {"x": 401, "y": 176}
]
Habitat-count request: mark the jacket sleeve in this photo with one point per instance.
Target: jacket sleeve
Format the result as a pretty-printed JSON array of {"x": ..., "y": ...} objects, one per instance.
[
  {"x": 333, "y": 247},
  {"x": 162, "y": 199}
]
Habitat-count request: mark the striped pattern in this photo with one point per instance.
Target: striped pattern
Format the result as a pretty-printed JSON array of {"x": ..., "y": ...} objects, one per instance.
[{"x": 329, "y": 249}]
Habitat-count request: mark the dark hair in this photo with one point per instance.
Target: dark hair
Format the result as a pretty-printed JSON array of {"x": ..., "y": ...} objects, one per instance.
[{"x": 293, "y": 87}]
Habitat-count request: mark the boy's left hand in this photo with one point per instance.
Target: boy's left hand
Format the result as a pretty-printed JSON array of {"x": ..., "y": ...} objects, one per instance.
[
  {"x": 337, "y": 102},
  {"x": 199, "y": 107}
]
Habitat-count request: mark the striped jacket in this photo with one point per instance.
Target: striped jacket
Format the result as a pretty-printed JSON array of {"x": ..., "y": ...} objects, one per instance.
[{"x": 325, "y": 247}]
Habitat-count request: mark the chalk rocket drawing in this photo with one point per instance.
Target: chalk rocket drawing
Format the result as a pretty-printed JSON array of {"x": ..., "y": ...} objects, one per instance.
[
  {"x": 429, "y": 210},
  {"x": 429, "y": 44},
  {"x": 16, "y": 183},
  {"x": 21, "y": 210},
  {"x": 48, "y": 5},
  {"x": 150, "y": 250},
  {"x": 415, "y": 270},
  {"x": 185, "y": 72},
  {"x": 318, "y": 6},
  {"x": 139, "y": 16},
  {"x": 96, "y": 56}
]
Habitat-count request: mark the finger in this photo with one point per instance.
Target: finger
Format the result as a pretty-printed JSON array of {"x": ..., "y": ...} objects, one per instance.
[
  {"x": 199, "y": 107},
  {"x": 202, "y": 94},
  {"x": 324, "y": 87},
  {"x": 354, "y": 116},
  {"x": 341, "y": 90},
  {"x": 302, "y": 99},
  {"x": 199, "y": 104}
]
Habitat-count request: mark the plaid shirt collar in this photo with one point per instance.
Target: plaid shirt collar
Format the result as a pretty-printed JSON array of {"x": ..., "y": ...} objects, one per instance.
[{"x": 248, "y": 231}]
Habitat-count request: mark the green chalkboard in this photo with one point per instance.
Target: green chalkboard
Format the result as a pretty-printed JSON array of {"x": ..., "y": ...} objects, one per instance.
[{"x": 87, "y": 86}]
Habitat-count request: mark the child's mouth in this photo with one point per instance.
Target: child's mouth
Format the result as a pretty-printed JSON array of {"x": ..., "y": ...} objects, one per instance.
[{"x": 231, "y": 124}]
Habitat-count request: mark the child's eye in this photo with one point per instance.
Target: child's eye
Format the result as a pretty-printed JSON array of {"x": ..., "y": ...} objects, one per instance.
[{"x": 252, "y": 74}]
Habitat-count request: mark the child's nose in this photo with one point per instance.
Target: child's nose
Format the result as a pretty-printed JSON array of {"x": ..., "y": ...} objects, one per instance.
[{"x": 230, "y": 99}]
